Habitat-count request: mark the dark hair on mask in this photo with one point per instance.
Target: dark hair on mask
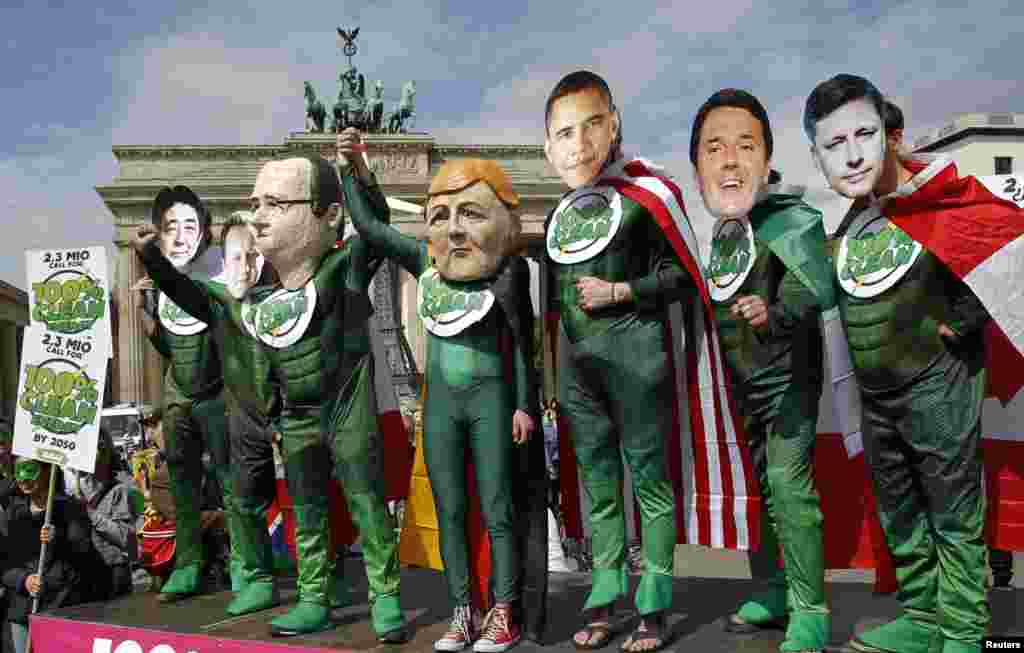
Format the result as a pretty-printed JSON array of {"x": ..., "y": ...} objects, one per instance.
[
  {"x": 577, "y": 82},
  {"x": 730, "y": 97},
  {"x": 168, "y": 197},
  {"x": 325, "y": 187},
  {"x": 236, "y": 219},
  {"x": 892, "y": 115},
  {"x": 834, "y": 93}
]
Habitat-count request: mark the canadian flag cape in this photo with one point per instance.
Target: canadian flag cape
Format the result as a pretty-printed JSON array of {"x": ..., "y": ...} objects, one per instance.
[
  {"x": 980, "y": 238},
  {"x": 971, "y": 227},
  {"x": 720, "y": 506}
]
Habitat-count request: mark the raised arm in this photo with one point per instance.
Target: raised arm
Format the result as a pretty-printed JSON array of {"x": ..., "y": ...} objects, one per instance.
[
  {"x": 191, "y": 296},
  {"x": 385, "y": 239}
]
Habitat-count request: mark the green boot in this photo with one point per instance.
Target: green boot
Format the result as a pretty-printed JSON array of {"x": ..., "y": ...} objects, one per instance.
[
  {"x": 183, "y": 583},
  {"x": 254, "y": 597},
  {"x": 316, "y": 568},
  {"x": 252, "y": 556},
  {"x": 903, "y": 635},
  {"x": 388, "y": 620},
  {"x": 763, "y": 611},
  {"x": 807, "y": 631},
  {"x": 303, "y": 619}
]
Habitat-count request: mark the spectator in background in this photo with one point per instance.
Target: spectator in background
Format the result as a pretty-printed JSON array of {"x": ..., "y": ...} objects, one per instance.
[
  {"x": 110, "y": 508},
  {"x": 68, "y": 549}
]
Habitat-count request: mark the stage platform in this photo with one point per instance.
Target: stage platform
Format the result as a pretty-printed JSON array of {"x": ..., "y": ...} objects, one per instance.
[{"x": 139, "y": 624}]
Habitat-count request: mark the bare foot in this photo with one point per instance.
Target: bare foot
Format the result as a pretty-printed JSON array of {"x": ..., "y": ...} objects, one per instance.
[
  {"x": 648, "y": 636},
  {"x": 598, "y": 631}
]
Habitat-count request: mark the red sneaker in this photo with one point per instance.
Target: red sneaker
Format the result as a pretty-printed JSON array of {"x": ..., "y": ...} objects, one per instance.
[
  {"x": 462, "y": 631},
  {"x": 499, "y": 634}
]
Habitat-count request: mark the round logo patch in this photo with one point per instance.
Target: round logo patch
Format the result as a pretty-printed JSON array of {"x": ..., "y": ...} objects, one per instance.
[
  {"x": 584, "y": 223},
  {"x": 446, "y": 311},
  {"x": 176, "y": 320},
  {"x": 281, "y": 318},
  {"x": 733, "y": 253},
  {"x": 874, "y": 255}
]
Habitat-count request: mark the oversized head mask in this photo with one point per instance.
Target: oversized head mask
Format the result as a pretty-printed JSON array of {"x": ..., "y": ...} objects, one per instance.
[
  {"x": 295, "y": 210},
  {"x": 471, "y": 221},
  {"x": 183, "y": 223},
  {"x": 243, "y": 263}
]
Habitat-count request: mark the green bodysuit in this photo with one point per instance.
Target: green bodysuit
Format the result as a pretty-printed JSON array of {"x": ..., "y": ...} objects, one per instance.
[
  {"x": 618, "y": 361},
  {"x": 479, "y": 372},
  {"x": 193, "y": 379},
  {"x": 776, "y": 376},
  {"x": 250, "y": 399},
  {"x": 317, "y": 341},
  {"x": 921, "y": 397}
]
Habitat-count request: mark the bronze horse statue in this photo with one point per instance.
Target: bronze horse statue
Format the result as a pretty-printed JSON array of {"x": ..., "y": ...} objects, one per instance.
[{"x": 316, "y": 114}]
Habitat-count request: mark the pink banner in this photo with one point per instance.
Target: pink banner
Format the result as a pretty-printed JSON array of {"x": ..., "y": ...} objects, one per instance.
[{"x": 55, "y": 635}]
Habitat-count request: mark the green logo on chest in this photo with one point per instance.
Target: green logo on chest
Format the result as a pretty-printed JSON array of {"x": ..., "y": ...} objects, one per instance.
[
  {"x": 730, "y": 254},
  {"x": 868, "y": 254},
  {"x": 587, "y": 223},
  {"x": 439, "y": 300},
  {"x": 174, "y": 314},
  {"x": 275, "y": 313}
]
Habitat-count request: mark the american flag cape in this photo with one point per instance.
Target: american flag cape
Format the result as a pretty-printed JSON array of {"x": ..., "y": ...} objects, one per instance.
[{"x": 720, "y": 506}]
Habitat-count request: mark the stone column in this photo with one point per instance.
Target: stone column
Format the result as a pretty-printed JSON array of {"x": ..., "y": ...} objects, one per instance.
[
  {"x": 139, "y": 367},
  {"x": 411, "y": 319}
]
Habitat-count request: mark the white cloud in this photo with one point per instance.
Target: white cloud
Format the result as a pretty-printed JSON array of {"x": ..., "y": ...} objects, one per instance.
[{"x": 235, "y": 76}]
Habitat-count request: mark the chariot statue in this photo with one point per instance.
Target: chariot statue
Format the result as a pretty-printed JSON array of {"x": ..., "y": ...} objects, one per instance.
[{"x": 352, "y": 108}]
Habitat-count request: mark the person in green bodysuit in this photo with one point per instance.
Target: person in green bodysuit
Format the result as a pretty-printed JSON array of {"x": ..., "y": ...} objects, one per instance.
[
  {"x": 481, "y": 387},
  {"x": 915, "y": 333},
  {"x": 769, "y": 278},
  {"x": 613, "y": 273},
  {"x": 192, "y": 385},
  {"x": 312, "y": 326},
  {"x": 251, "y": 398}
]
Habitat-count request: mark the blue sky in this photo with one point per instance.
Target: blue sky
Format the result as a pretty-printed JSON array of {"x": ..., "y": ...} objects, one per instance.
[{"x": 78, "y": 79}]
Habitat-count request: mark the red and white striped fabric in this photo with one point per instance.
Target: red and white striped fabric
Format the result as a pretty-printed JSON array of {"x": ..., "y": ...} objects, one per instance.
[
  {"x": 979, "y": 236},
  {"x": 723, "y": 508}
]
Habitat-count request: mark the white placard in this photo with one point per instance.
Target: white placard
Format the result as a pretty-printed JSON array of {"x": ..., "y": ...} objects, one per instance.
[
  {"x": 69, "y": 294},
  {"x": 60, "y": 397}
]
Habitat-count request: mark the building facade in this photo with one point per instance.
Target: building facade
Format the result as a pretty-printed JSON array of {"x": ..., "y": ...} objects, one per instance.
[
  {"x": 14, "y": 318},
  {"x": 980, "y": 143},
  {"x": 223, "y": 176}
]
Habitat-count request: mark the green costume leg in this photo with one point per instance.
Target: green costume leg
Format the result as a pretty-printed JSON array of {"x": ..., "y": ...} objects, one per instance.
[
  {"x": 767, "y": 608},
  {"x": 358, "y": 451},
  {"x": 183, "y": 439},
  {"x": 922, "y": 446},
  {"x": 255, "y": 486},
  {"x": 796, "y": 508},
  {"x": 307, "y": 467},
  {"x": 600, "y": 465},
  {"x": 482, "y": 418},
  {"x": 212, "y": 417},
  {"x": 611, "y": 375}
]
